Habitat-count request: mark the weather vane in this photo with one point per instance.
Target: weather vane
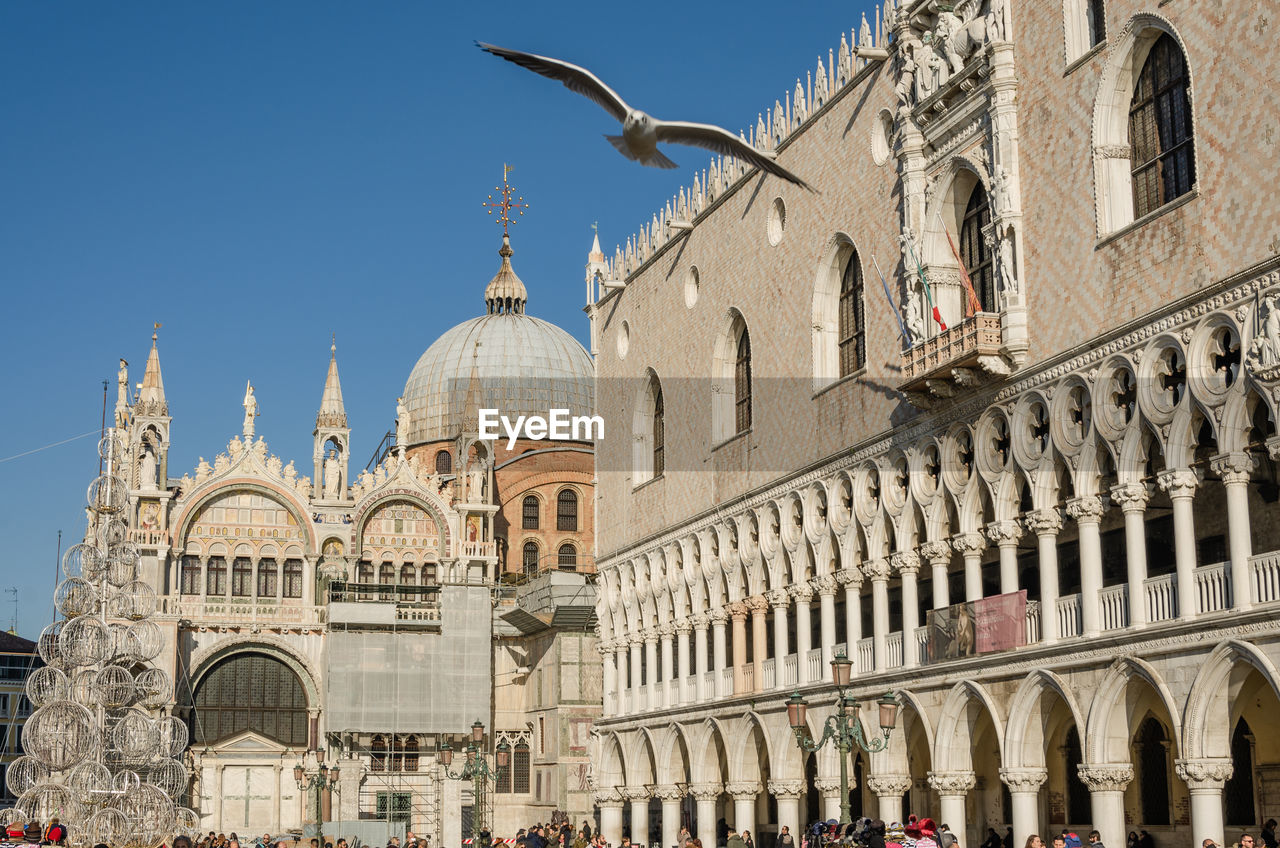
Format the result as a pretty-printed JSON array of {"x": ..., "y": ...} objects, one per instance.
[{"x": 505, "y": 206}]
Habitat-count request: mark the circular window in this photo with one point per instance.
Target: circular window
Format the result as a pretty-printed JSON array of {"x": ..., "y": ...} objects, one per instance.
[
  {"x": 777, "y": 220},
  {"x": 882, "y": 137},
  {"x": 691, "y": 286},
  {"x": 624, "y": 340}
]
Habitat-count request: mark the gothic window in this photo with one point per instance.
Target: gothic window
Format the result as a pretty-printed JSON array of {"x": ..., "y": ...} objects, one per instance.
[
  {"x": 444, "y": 463},
  {"x": 530, "y": 558},
  {"x": 529, "y": 513},
  {"x": 742, "y": 382},
  {"x": 1153, "y": 776},
  {"x": 659, "y": 429},
  {"x": 567, "y": 511},
  {"x": 1096, "y": 22},
  {"x": 853, "y": 329},
  {"x": 411, "y": 753},
  {"x": 378, "y": 754},
  {"x": 386, "y": 577},
  {"x": 267, "y": 578},
  {"x": 250, "y": 692},
  {"x": 216, "y": 580},
  {"x": 502, "y": 781},
  {"x": 567, "y": 557},
  {"x": 973, "y": 248},
  {"x": 190, "y": 575},
  {"x": 1162, "y": 155},
  {"x": 520, "y": 768},
  {"x": 364, "y": 576},
  {"x": 241, "y": 577},
  {"x": 293, "y": 578}
]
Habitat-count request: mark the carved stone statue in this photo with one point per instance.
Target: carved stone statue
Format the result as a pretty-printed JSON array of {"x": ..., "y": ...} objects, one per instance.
[
  {"x": 147, "y": 468},
  {"x": 289, "y": 473},
  {"x": 915, "y": 316},
  {"x": 1005, "y": 266},
  {"x": 331, "y": 474},
  {"x": 1001, "y": 199},
  {"x": 250, "y": 410},
  {"x": 203, "y": 471},
  {"x": 999, "y": 27},
  {"x": 402, "y": 426},
  {"x": 958, "y": 40},
  {"x": 907, "y": 70},
  {"x": 1264, "y": 350},
  {"x": 475, "y": 483}
]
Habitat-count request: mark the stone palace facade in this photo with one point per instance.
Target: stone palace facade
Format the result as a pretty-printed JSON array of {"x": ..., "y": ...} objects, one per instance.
[{"x": 1089, "y": 445}]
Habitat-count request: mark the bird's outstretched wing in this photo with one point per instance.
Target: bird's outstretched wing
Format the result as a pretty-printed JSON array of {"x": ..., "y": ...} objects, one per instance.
[
  {"x": 725, "y": 143},
  {"x": 574, "y": 78}
]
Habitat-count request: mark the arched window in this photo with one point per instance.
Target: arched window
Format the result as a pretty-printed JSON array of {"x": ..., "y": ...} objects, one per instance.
[
  {"x": 444, "y": 463},
  {"x": 428, "y": 574},
  {"x": 520, "y": 768},
  {"x": 378, "y": 754},
  {"x": 250, "y": 692},
  {"x": 293, "y": 578},
  {"x": 386, "y": 577},
  {"x": 853, "y": 329},
  {"x": 567, "y": 557},
  {"x": 530, "y": 558},
  {"x": 502, "y": 780},
  {"x": 216, "y": 576},
  {"x": 659, "y": 429},
  {"x": 973, "y": 248},
  {"x": 267, "y": 571},
  {"x": 241, "y": 577},
  {"x": 397, "y": 754},
  {"x": 529, "y": 513},
  {"x": 567, "y": 510},
  {"x": 407, "y": 576},
  {"x": 742, "y": 382},
  {"x": 411, "y": 753},
  {"x": 190, "y": 575},
  {"x": 1161, "y": 152}
]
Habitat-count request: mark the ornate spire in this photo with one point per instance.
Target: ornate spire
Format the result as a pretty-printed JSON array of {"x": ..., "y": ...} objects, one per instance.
[
  {"x": 332, "y": 411},
  {"x": 596, "y": 254},
  {"x": 505, "y": 292},
  {"x": 151, "y": 400}
]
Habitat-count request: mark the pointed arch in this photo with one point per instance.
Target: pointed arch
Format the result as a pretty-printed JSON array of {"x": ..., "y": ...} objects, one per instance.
[
  {"x": 1112, "y": 721},
  {"x": 1024, "y": 743},
  {"x": 1206, "y": 728},
  {"x": 954, "y": 739}
]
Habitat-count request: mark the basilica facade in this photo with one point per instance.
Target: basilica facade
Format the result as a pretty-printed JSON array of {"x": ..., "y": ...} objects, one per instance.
[
  {"x": 356, "y": 624},
  {"x": 992, "y": 414}
]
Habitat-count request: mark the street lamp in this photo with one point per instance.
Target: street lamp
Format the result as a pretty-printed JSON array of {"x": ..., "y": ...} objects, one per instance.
[
  {"x": 843, "y": 728},
  {"x": 476, "y": 768},
  {"x": 320, "y": 779}
]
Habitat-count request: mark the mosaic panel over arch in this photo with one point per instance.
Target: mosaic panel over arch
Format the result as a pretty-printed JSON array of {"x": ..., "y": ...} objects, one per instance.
[
  {"x": 403, "y": 526},
  {"x": 244, "y": 515}
]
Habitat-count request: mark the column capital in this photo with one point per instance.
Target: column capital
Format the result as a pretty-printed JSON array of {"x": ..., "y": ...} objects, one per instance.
[
  {"x": 824, "y": 584},
  {"x": 666, "y": 630},
  {"x": 757, "y": 604},
  {"x": 830, "y": 786},
  {"x": 634, "y": 640},
  {"x": 1233, "y": 468},
  {"x": 634, "y": 793},
  {"x": 906, "y": 562},
  {"x": 1178, "y": 482},
  {"x": 605, "y": 797},
  {"x": 778, "y": 598},
  {"x": 700, "y": 621},
  {"x": 1203, "y": 774},
  {"x": 605, "y": 648},
  {"x": 1044, "y": 522},
  {"x": 849, "y": 577},
  {"x": 786, "y": 788},
  {"x": 1003, "y": 533},
  {"x": 719, "y": 615},
  {"x": 1085, "y": 510},
  {"x": 1131, "y": 497},
  {"x": 1024, "y": 779},
  {"x": 968, "y": 543},
  {"x": 889, "y": 785},
  {"x": 742, "y": 790},
  {"x": 877, "y": 570},
  {"x": 1105, "y": 777},
  {"x": 936, "y": 552},
  {"x": 668, "y": 792},
  {"x": 649, "y": 634},
  {"x": 705, "y": 791},
  {"x": 801, "y": 592},
  {"x": 737, "y": 611},
  {"x": 952, "y": 782},
  {"x": 683, "y": 625}
]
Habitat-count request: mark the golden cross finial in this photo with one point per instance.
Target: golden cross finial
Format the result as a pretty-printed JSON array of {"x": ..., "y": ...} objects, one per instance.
[
  {"x": 595, "y": 227},
  {"x": 506, "y": 205}
]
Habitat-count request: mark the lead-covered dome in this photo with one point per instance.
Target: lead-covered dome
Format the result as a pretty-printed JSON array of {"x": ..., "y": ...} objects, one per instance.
[{"x": 517, "y": 364}]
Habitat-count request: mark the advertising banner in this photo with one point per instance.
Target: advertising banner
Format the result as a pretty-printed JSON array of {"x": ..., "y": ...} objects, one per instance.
[{"x": 984, "y": 626}]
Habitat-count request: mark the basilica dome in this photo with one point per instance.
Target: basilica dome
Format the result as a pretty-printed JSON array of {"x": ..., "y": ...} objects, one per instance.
[{"x": 517, "y": 364}]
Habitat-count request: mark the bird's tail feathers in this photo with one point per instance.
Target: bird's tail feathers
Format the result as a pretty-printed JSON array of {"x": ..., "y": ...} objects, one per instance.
[
  {"x": 620, "y": 143},
  {"x": 657, "y": 160}
]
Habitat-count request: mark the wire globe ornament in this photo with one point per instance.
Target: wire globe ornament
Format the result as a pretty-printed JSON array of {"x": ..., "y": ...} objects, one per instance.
[
  {"x": 46, "y": 685},
  {"x": 169, "y": 775},
  {"x": 81, "y": 560},
  {"x": 47, "y": 645},
  {"x": 90, "y": 781},
  {"x": 107, "y": 495},
  {"x": 154, "y": 688},
  {"x": 134, "y": 602},
  {"x": 114, "y": 687},
  {"x": 76, "y": 596},
  {"x": 106, "y": 827},
  {"x": 84, "y": 641},
  {"x": 173, "y": 735},
  {"x": 24, "y": 773},
  {"x": 188, "y": 822},
  {"x": 59, "y": 735},
  {"x": 45, "y": 801}
]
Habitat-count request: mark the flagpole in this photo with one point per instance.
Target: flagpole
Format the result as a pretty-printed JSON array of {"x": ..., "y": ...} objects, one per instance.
[
  {"x": 924, "y": 283},
  {"x": 897, "y": 311}
]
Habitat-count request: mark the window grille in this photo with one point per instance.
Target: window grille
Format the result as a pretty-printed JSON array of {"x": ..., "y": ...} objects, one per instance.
[
  {"x": 530, "y": 558},
  {"x": 567, "y": 510},
  {"x": 241, "y": 577},
  {"x": 567, "y": 557},
  {"x": 1162, "y": 153},
  {"x": 190, "y": 575},
  {"x": 250, "y": 692},
  {"x": 267, "y": 571},
  {"x": 293, "y": 578},
  {"x": 520, "y": 768},
  {"x": 444, "y": 463},
  {"x": 216, "y": 582},
  {"x": 529, "y": 513}
]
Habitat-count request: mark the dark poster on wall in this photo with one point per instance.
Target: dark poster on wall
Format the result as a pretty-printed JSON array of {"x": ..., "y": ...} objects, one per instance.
[{"x": 984, "y": 626}]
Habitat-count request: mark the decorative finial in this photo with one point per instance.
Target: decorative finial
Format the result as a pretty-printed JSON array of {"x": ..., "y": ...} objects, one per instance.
[
  {"x": 595, "y": 227},
  {"x": 505, "y": 206},
  {"x": 157, "y": 325},
  {"x": 333, "y": 343}
]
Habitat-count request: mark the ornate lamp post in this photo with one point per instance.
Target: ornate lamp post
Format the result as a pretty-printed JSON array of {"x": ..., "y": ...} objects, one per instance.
[
  {"x": 843, "y": 728},
  {"x": 476, "y": 769},
  {"x": 316, "y": 781}
]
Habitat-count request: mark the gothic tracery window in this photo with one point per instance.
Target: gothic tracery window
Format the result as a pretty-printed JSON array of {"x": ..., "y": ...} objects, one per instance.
[
  {"x": 742, "y": 382},
  {"x": 378, "y": 754},
  {"x": 659, "y": 434},
  {"x": 853, "y": 344},
  {"x": 973, "y": 248},
  {"x": 1162, "y": 153}
]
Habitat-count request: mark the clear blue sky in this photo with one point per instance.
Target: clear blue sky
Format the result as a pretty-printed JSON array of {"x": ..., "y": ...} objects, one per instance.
[{"x": 259, "y": 175}]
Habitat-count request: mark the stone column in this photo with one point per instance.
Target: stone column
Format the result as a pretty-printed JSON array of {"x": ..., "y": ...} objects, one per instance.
[
  {"x": 1132, "y": 499},
  {"x": 939, "y": 556},
  {"x": 825, "y": 586},
  {"x": 803, "y": 593},
  {"x": 621, "y": 652},
  {"x": 1205, "y": 779},
  {"x": 667, "y": 633},
  {"x": 1180, "y": 484},
  {"x": 651, "y": 699},
  {"x": 720, "y": 662},
  {"x": 1046, "y": 523},
  {"x": 308, "y": 579},
  {"x": 1087, "y": 512},
  {"x": 670, "y": 796},
  {"x": 683, "y": 626},
  {"x": 851, "y": 580},
  {"x": 639, "y": 798},
  {"x": 1005, "y": 536},
  {"x": 890, "y": 788},
  {"x": 705, "y": 796},
  {"x": 738, "y": 613},
  {"x": 700, "y": 658},
  {"x": 1106, "y": 782},
  {"x": 1024, "y": 794},
  {"x": 637, "y": 690},
  {"x": 744, "y": 794},
  {"x": 829, "y": 789},
  {"x": 970, "y": 546},
  {"x": 759, "y": 608},
  {"x": 606, "y": 648},
  {"x": 780, "y": 601},
  {"x": 1234, "y": 469},
  {"x": 878, "y": 571},
  {"x": 907, "y": 564},
  {"x": 610, "y": 803},
  {"x": 952, "y": 788},
  {"x": 787, "y": 793}
]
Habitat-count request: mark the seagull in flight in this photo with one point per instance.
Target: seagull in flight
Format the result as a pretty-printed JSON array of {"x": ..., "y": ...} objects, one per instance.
[{"x": 641, "y": 132}]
